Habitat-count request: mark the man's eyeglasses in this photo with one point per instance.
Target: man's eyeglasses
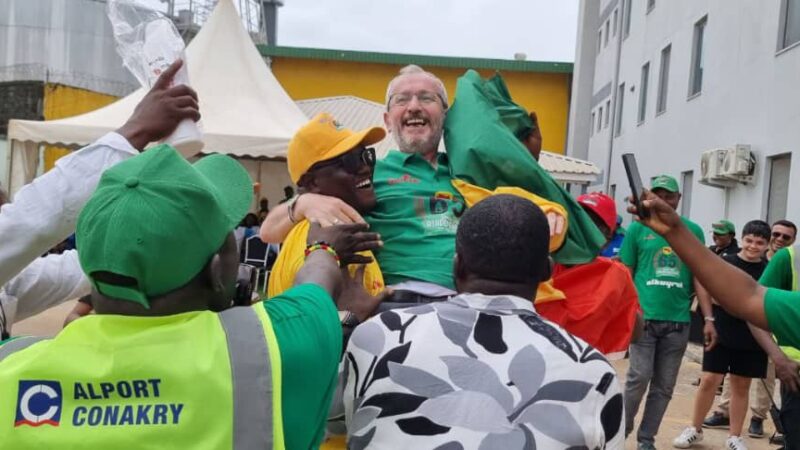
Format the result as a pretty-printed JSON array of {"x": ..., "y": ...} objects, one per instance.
[
  {"x": 423, "y": 97},
  {"x": 786, "y": 237},
  {"x": 351, "y": 161}
]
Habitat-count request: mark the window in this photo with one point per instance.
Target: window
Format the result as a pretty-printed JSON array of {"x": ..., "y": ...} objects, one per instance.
[
  {"x": 591, "y": 125},
  {"x": 599, "y": 40},
  {"x": 790, "y": 23},
  {"x": 663, "y": 80},
  {"x": 607, "y": 33},
  {"x": 626, "y": 18},
  {"x": 650, "y": 5},
  {"x": 643, "y": 92},
  {"x": 600, "y": 119},
  {"x": 618, "y": 112},
  {"x": 687, "y": 180},
  {"x": 696, "y": 73},
  {"x": 608, "y": 112},
  {"x": 778, "y": 187},
  {"x": 614, "y": 24}
]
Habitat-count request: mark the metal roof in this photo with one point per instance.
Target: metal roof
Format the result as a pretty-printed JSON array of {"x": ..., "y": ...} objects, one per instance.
[
  {"x": 422, "y": 60},
  {"x": 357, "y": 113}
]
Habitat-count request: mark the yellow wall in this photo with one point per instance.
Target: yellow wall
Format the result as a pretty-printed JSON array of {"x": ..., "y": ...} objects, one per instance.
[
  {"x": 64, "y": 101},
  {"x": 545, "y": 93}
]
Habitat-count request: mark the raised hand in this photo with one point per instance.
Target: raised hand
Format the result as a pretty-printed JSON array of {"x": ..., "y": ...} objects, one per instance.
[{"x": 161, "y": 110}]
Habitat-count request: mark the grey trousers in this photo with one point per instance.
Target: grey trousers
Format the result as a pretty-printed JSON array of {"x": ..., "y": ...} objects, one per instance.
[{"x": 655, "y": 360}]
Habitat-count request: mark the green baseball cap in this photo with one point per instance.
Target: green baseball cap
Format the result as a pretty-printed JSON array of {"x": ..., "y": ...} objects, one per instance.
[
  {"x": 157, "y": 220},
  {"x": 665, "y": 182},
  {"x": 723, "y": 227}
]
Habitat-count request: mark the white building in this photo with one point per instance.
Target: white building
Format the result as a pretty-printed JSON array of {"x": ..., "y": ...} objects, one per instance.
[{"x": 668, "y": 80}]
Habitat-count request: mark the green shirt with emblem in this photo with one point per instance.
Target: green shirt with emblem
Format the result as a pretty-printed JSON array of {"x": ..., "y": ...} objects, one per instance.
[
  {"x": 663, "y": 281},
  {"x": 417, "y": 215}
]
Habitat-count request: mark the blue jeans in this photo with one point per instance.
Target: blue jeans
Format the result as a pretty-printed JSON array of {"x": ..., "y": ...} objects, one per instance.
[
  {"x": 790, "y": 418},
  {"x": 655, "y": 360}
]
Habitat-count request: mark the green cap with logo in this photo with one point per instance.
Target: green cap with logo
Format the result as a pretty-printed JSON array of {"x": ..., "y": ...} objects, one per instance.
[
  {"x": 156, "y": 220},
  {"x": 665, "y": 182},
  {"x": 723, "y": 227}
]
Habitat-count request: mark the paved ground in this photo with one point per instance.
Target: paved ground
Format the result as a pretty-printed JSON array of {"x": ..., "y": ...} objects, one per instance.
[{"x": 677, "y": 418}]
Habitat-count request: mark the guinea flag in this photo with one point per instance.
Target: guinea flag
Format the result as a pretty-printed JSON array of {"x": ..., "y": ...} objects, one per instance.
[{"x": 481, "y": 137}]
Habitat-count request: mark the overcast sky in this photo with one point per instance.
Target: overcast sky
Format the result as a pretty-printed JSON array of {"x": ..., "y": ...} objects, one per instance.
[{"x": 544, "y": 30}]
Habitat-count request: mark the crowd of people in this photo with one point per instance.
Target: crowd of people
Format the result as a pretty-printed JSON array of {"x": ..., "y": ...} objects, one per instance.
[{"x": 407, "y": 307}]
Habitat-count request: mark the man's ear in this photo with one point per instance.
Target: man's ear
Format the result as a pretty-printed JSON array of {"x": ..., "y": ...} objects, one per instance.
[{"x": 214, "y": 275}]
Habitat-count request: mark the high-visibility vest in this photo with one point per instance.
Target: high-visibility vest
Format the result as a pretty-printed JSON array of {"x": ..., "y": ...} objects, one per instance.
[
  {"x": 196, "y": 380},
  {"x": 793, "y": 352}
]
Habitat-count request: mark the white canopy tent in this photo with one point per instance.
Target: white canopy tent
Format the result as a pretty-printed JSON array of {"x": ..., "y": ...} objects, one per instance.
[{"x": 246, "y": 113}]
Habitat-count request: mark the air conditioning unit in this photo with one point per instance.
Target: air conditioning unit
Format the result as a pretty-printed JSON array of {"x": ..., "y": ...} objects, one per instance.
[
  {"x": 738, "y": 164},
  {"x": 725, "y": 167},
  {"x": 710, "y": 165}
]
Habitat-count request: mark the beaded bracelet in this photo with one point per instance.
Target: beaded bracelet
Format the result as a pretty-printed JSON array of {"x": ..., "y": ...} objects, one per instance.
[{"x": 323, "y": 246}]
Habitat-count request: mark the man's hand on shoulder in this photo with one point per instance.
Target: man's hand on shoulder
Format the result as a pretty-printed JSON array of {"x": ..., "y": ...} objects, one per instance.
[{"x": 161, "y": 110}]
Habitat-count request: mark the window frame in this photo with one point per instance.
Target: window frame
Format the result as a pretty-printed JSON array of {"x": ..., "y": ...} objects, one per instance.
[
  {"x": 663, "y": 80},
  {"x": 644, "y": 84},
  {"x": 696, "y": 66}
]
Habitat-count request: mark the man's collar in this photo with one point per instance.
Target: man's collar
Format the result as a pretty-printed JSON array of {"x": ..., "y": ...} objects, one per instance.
[
  {"x": 406, "y": 157},
  {"x": 503, "y": 304}
]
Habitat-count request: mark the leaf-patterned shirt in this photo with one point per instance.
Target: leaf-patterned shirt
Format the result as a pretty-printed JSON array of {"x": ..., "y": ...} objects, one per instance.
[{"x": 476, "y": 372}]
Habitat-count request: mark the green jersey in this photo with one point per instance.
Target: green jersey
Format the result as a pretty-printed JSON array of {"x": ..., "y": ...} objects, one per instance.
[
  {"x": 417, "y": 216},
  {"x": 662, "y": 280}
]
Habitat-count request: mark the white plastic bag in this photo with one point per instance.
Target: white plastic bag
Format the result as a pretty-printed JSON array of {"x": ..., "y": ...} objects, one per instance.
[{"x": 148, "y": 43}]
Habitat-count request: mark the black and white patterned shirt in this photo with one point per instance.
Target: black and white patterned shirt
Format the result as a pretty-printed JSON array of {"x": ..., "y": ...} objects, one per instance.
[{"x": 477, "y": 372}]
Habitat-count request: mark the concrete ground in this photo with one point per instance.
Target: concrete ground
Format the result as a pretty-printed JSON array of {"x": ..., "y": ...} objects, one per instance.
[{"x": 676, "y": 419}]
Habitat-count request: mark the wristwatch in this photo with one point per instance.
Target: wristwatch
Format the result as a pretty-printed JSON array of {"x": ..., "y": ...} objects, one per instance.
[{"x": 348, "y": 319}]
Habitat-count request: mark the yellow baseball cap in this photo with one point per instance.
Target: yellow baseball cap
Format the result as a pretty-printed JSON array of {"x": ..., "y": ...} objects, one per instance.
[{"x": 322, "y": 139}]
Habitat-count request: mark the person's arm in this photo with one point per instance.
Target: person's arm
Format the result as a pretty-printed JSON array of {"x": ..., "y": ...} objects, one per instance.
[
  {"x": 44, "y": 212},
  {"x": 315, "y": 207},
  {"x": 786, "y": 370},
  {"x": 709, "y": 327},
  {"x": 47, "y": 282},
  {"x": 735, "y": 291}
]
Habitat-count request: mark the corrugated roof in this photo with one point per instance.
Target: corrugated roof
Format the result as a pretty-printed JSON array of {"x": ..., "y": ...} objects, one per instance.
[
  {"x": 357, "y": 113},
  {"x": 422, "y": 60}
]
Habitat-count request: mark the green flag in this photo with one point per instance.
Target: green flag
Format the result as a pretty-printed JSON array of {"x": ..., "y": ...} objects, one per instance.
[{"x": 481, "y": 137}]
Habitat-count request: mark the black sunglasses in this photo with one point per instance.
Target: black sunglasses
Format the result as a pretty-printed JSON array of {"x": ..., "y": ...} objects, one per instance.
[
  {"x": 786, "y": 237},
  {"x": 350, "y": 161}
]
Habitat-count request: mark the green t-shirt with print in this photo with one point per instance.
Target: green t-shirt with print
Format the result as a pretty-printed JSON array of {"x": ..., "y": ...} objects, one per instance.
[
  {"x": 417, "y": 216},
  {"x": 663, "y": 281},
  {"x": 778, "y": 273},
  {"x": 782, "y": 309}
]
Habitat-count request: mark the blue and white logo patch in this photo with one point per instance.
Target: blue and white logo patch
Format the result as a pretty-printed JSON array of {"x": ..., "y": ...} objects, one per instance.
[{"x": 38, "y": 402}]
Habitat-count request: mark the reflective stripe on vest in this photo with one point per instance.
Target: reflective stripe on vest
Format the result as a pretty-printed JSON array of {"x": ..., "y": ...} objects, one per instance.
[
  {"x": 18, "y": 344},
  {"x": 252, "y": 379},
  {"x": 792, "y": 352}
]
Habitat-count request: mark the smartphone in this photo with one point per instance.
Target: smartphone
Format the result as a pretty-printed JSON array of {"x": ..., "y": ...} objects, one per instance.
[{"x": 635, "y": 181}]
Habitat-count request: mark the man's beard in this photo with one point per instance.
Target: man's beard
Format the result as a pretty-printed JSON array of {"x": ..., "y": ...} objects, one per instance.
[{"x": 421, "y": 146}]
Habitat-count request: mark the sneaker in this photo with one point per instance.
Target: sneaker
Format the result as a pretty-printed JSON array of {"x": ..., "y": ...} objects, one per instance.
[
  {"x": 756, "y": 428},
  {"x": 717, "y": 420},
  {"x": 735, "y": 443},
  {"x": 777, "y": 439},
  {"x": 689, "y": 436},
  {"x": 645, "y": 446}
]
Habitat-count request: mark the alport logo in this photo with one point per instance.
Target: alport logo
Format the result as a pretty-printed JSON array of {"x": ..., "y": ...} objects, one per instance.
[{"x": 38, "y": 403}]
